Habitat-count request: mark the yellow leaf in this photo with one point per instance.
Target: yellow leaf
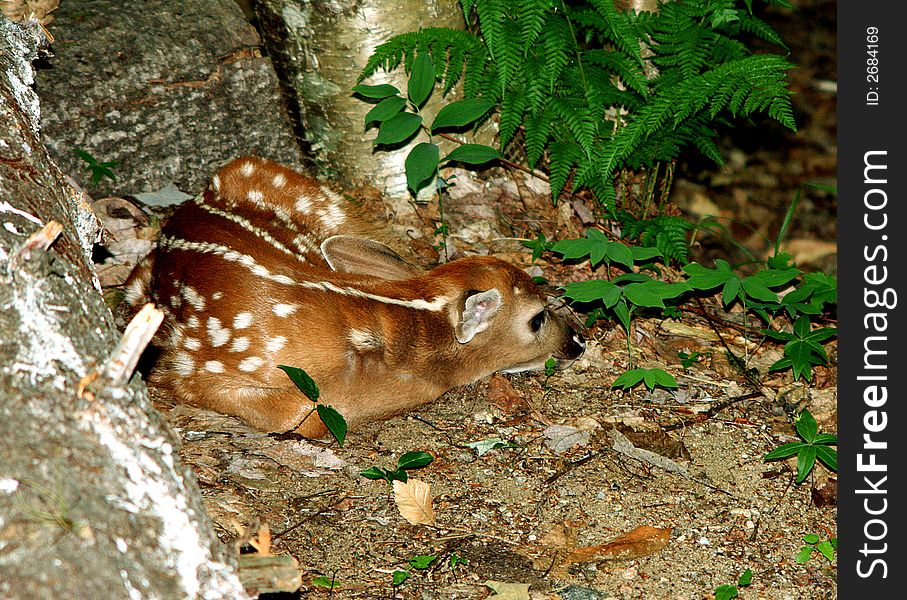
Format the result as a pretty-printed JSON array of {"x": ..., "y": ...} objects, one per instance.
[{"x": 413, "y": 500}]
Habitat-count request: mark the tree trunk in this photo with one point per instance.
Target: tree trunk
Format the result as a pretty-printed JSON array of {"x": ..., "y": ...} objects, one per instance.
[
  {"x": 94, "y": 502},
  {"x": 320, "y": 48}
]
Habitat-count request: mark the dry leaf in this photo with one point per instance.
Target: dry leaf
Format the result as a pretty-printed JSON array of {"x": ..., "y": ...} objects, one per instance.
[
  {"x": 502, "y": 394},
  {"x": 508, "y": 591},
  {"x": 642, "y": 541},
  {"x": 413, "y": 500}
]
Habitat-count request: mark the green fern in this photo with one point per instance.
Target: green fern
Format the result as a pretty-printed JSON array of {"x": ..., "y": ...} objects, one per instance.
[
  {"x": 597, "y": 91},
  {"x": 669, "y": 234}
]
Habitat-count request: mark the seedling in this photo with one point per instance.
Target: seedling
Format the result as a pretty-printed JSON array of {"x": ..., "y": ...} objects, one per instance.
[
  {"x": 803, "y": 348},
  {"x": 409, "y": 461},
  {"x": 689, "y": 359},
  {"x": 651, "y": 377},
  {"x": 332, "y": 419},
  {"x": 420, "y": 562},
  {"x": 98, "y": 170},
  {"x": 727, "y": 592},
  {"x": 814, "y": 445},
  {"x": 826, "y": 548}
]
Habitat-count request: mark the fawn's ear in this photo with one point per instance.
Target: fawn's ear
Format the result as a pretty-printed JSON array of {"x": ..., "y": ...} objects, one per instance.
[
  {"x": 350, "y": 254},
  {"x": 478, "y": 311}
]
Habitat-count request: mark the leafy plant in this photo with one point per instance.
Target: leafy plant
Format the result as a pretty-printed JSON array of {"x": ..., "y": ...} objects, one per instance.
[
  {"x": 332, "y": 419},
  {"x": 802, "y": 348},
  {"x": 597, "y": 90},
  {"x": 814, "y": 446},
  {"x": 419, "y": 562},
  {"x": 407, "y": 462},
  {"x": 727, "y": 592},
  {"x": 399, "y": 119},
  {"x": 688, "y": 359},
  {"x": 651, "y": 377},
  {"x": 98, "y": 169},
  {"x": 826, "y": 548}
]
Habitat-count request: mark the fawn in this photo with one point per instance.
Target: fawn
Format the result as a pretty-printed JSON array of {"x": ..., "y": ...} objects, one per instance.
[{"x": 264, "y": 268}]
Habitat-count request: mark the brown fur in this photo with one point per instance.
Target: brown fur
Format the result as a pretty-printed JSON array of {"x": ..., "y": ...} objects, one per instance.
[{"x": 376, "y": 334}]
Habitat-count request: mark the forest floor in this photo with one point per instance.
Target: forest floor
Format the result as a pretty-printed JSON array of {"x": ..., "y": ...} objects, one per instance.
[{"x": 532, "y": 478}]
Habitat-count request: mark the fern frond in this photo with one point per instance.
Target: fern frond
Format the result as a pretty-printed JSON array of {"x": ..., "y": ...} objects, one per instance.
[
  {"x": 562, "y": 158},
  {"x": 620, "y": 30},
  {"x": 538, "y": 130},
  {"x": 513, "y": 108},
  {"x": 761, "y": 30},
  {"x": 531, "y": 16},
  {"x": 630, "y": 73}
]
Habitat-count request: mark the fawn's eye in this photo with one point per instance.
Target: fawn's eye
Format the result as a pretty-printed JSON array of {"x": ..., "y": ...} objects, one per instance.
[{"x": 536, "y": 323}]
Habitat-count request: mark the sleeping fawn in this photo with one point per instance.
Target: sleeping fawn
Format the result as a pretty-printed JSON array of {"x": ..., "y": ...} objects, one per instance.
[{"x": 264, "y": 269}]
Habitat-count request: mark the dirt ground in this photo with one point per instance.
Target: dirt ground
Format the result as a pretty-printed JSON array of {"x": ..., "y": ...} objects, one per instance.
[{"x": 542, "y": 506}]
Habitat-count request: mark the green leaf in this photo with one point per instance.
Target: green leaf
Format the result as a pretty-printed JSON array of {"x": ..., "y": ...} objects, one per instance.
[
  {"x": 375, "y": 473},
  {"x": 421, "y": 79},
  {"x": 726, "y": 592},
  {"x": 804, "y": 554},
  {"x": 756, "y": 288},
  {"x": 398, "y": 128},
  {"x": 334, "y": 421},
  {"x": 414, "y": 460},
  {"x": 664, "y": 379},
  {"x": 826, "y": 438},
  {"x": 785, "y": 450},
  {"x": 399, "y": 577},
  {"x": 473, "y": 154},
  {"x": 746, "y": 578},
  {"x": 806, "y": 458},
  {"x": 323, "y": 582},
  {"x": 807, "y": 426},
  {"x": 421, "y": 166},
  {"x": 302, "y": 380},
  {"x": 422, "y": 561},
  {"x": 811, "y": 538},
  {"x": 827, "y": 550},
  {"x": 385, "y": 109},
  {"x": 629, "y": 379},
  {"x": 461, "y": 113},
  {"x": 592, "y": 291},
  {"x": 827, "y": 456},
  {"x": 376, "y": 92}
]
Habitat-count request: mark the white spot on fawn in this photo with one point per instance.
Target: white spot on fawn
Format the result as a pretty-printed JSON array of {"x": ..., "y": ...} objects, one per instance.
[
  {"x": 285, "y": 310},
  {"x": 218, "y": 333},
  {"x": 192, "y": 322},
  {"x": 331, "y": 216},
  {"x": 214, "y": 366},
  {"x": 192, "y": 344},
  {"x": 192, "y": 297},
  {"x": 275, "y": 343},
  {"x": 217, "y": 295},
  {"x": 247, "y": 169},
  {"x": 240, "y": 344},
  {"x": 279, "y": 180},
  {"x": 183, "y": 364},
  {"x": 175, "y": 301},
  {"x": 304, "y": 204},
  {"x": 364, "y": 341},
  {"x": 250, "y": 363},
  {"x": 255, "y": 197},
  {"x": 242, "y": 320}
]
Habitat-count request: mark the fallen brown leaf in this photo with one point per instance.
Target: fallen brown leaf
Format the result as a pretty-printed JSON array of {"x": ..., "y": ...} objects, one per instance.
[
  {"x": 502, "y": 394},
  {"x": 642, "y": 541},
  {"x": 413, "y": 500}
]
